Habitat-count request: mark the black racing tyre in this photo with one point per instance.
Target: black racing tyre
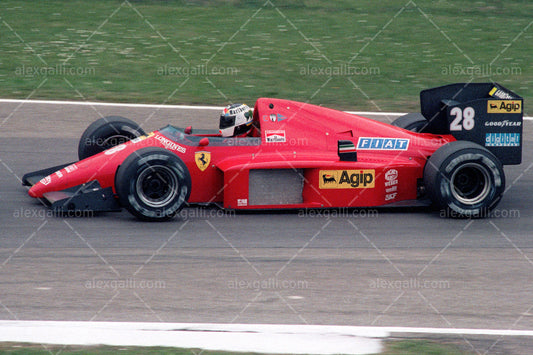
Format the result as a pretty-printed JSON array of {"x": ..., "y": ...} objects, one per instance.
[
  {"x": 153, "y": 184},
  {"x": 412, "y": 122},
  {"x": 106, "y": 133},
  {"x": 464, "y": 179}
]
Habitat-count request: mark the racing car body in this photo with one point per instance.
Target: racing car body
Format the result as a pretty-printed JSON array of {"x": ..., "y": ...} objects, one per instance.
[{"x": 302, "y": 156}]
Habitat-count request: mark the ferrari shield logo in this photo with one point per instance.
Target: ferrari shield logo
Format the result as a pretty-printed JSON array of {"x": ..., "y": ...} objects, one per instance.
[{"x": 202, "y": 160}]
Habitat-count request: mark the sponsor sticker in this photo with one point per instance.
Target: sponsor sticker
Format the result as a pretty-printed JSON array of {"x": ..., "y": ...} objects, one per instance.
[
  {"x": 392, "y": 196},
  {"x": 391, "y": 178},
  {"x": 273, "y": 117},
  {"x": 374, "y": 143},
  {"x": 347, "y": 147},
  {"x": 141, "y": 138},
  {"x": 170, "y": 145},
  {"x": 71, "y": 168},
  {"x": 391, "y": 175},
  {"x": 504, "y": 106},
  {"x": 347, "y": 179},
  {"x": 46, "y": 180},
  {"x": 391, "y": 184},
  {"x": 275, "y": 136},
  {"x": 116, "y": 149},
  {"x": 59, "y": 174},
  {"x": 499, "y": 94},
  {"x": 235, "y": 110},
  {"x": 502, "y": 140},
  {"x": 202, "y": 159},
  {"x": 503, "y": 123},
  {"x": 242, "y": 202},
  {"x": 391, "y": 189}
]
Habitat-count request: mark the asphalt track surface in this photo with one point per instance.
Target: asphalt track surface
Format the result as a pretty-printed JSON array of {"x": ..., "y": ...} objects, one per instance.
[{"x": 384, "y": 267}]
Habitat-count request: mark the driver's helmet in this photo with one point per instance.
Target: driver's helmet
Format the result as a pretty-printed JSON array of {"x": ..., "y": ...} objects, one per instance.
[{"x": 235, "y": 120}]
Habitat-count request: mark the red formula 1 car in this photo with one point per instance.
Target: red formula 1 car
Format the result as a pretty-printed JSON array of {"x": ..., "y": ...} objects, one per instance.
[{"x": 301, "y": 156}]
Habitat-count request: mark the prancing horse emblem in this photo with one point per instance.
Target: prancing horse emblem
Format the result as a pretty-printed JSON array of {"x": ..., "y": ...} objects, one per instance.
[{"x": 202, "y": 159}]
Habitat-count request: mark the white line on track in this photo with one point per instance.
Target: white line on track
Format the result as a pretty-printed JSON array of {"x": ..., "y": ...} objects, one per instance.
[
  {"x": 365, "y": 113},
  {"x": 184, "y": 107},
  {"x": 260, "y": 338},
  {"x": 281, "y": 339},
  {"x": 110, "y": 104}
]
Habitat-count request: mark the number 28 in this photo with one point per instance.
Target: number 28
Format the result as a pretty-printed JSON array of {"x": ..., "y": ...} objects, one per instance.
[{"x": 464, "y": 119}]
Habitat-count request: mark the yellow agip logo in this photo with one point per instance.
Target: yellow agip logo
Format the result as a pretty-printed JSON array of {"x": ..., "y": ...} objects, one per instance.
[
  {"x": 504, "y": 106},
  {"x": 347, "y": 179}
]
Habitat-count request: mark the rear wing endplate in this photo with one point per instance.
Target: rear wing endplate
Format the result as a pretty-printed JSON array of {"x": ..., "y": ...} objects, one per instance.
[{"x": 484, "y": 113}]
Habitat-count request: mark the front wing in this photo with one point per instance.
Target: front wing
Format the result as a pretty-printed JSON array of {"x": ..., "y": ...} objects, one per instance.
[{"x": 86, "y": 197}]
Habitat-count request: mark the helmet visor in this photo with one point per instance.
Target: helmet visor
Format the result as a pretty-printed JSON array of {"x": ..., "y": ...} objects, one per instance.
[{"x": 226, "y": 121}]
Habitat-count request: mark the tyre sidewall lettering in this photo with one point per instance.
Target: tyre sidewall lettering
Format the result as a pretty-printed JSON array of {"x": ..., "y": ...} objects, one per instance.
[
  {"x": 478, "y": 179},
  {"x": 170, "y": 210},
  {"x": 455, "y": 163},
  {"x": 137, "y": 165},
  {"x": 106, "y": 132},
  {"x": 95, "y": 138}
]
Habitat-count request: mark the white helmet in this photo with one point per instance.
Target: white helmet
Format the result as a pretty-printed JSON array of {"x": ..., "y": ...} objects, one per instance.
[{"x": 235, "y": 120}]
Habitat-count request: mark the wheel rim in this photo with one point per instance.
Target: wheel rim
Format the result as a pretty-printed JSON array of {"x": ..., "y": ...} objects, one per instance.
[
  {"x": 470, "y": 184},
  {"x": 157, "y": 186}
]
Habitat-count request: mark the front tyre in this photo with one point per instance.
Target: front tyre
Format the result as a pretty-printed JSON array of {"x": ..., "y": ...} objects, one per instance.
[
  {"x": 105, "y": 133},
  {"x": 153, "y": 184},
  {"x": 464, "y": 179}
]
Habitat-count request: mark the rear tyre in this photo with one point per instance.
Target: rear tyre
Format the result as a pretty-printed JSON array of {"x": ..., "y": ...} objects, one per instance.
[
  {"x": 153, "y": 184},
  {"x": 414, "y": 122},
  {"x": 106, "y": 133},
  {"x": 464, "y": 179}
]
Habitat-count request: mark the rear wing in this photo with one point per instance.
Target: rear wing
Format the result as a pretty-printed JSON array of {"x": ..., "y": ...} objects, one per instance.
[{"x": 484, "y": 113}]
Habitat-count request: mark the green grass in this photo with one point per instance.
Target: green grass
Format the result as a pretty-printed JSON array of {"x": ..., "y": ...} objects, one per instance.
[
  {"x": 158, "y": 51},
  {"x": 418, "y": 347},
  {"x": 27, "y": 349},
  {"x": 404, "y": 347}
]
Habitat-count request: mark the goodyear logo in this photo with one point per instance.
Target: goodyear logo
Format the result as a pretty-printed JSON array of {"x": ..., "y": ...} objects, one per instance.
[
  {"x": 504, "y": 106},
  {"x": 382, "y": 143},
  {"x": 347, "y": 179}
]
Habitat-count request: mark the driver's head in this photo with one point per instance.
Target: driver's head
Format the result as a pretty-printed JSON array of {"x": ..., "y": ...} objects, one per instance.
[{"x": 235, "y": 120}]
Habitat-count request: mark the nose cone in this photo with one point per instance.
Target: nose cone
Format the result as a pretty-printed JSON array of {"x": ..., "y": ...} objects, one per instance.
[
  {"x": 41, "y": 187},
  {"x": 100, "y": 167},
  {"x": 33, "y": 192},
  {"x": 61, "y": 179}
]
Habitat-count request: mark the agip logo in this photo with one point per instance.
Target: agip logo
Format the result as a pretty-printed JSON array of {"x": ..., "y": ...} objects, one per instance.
[
  {"x": 347, "y": 179},
  {"x": 504, "y": 106}
]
